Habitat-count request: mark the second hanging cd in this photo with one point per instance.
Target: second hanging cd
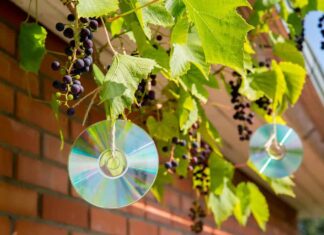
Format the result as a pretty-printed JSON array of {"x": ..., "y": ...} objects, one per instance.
[
  {"x": 276, "y": 151},
  {"x": 113, "y": 178}
]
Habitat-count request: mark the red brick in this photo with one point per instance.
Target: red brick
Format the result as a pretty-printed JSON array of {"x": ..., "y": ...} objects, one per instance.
[
  {"x": 158, "y": 213},
  {"x": 7, "y": 100},
  {"x": 140, "y": 227},
  {"x": 4, "y": 226},
  {"x": 17, "y": 200},
  {"x": 42, "y": 174},
  {"x": 8, "y": 38},
  {"x": 77, "y": 128},
  {"x": 11, "y": 72},
  {"x": 164, "y": 231},
  {"x": 171, "y": 198},
  {"x": 19, "y": 135},
  {"x": 5, "y": 162},
  {"x": 186, "y": 203},
  {"x": 40, "y": 114},
  {"x": 46, "y": 67},
  {"x": 107, "y": 222},
  {"x": 138, "y": 208},
  {"x": 77, "y": 233},
  {"x": 65, "y": 211},
  {"x": 31, "y": 228},
  {"x": 52, "y": 149}
]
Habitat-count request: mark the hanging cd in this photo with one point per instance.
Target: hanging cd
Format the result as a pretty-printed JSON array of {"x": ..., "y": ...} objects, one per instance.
[
  {"x": 110, "y": 178},
  {"x": 276, "y": 155}
]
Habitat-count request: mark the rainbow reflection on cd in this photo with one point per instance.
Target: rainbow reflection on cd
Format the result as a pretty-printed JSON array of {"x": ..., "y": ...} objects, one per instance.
[
  {"x": 113, "y": 180},
  {"x": 268, "y": 164}
]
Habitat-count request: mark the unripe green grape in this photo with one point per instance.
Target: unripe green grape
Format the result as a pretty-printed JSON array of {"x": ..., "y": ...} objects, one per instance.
[
  {"x": 70, "y": 97},
  {"x": 58, "y": 94}
]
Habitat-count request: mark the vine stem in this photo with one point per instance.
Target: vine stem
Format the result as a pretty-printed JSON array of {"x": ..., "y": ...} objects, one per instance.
[
  {"x": 112, "y": 138},
  {"x": 131, "y": 11},
  {"x": 89, "y": 107},
  {"x": 108, "y": 38}
]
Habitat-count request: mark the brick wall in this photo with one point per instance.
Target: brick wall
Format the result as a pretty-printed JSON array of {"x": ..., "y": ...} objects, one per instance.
[{"x": 36, "y": 197}]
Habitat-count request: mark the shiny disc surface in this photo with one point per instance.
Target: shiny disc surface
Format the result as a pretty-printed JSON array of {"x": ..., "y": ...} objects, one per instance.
[
  {"x": 113, "y": 180},
  {"x": 276, "y": 164}
]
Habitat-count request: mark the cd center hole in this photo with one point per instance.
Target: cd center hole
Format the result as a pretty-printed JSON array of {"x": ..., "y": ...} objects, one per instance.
[
  {"x": 112, "y": 166},
  {"x": 275, "y": 150}
]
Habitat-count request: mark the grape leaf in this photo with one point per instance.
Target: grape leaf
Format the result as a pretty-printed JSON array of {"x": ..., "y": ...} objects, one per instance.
[
  {"x": 295, "y": 77},
  {"x": 179, "y": 33},
  {"x": 183, "y": 55},
  {"x": 155, "y": 14},
  {"x": 187, "y": 111},
  {"x": 175, "y": 7},
  {"x": 127, "y": 71},
  {"x": 31, "y": 45},
  {"x": 162, "y": 179},
  {"x": 222, "y": 206},
  {"x": 272, "y": 83},
  {"x": 220, "y": 27},
  {"x": 165, "y": 129},
  {"x": 220, "y": 169},
  {"x": 259, "y": 206},
  {"x": 194, "y": 82},
  {"x": 299, "y": 3},
  {"x": 288, "y": 52},
  {"x": 116, "y": 26},
  {"x": 242, "y": 208},
  {"x": 96, "y": 8}
]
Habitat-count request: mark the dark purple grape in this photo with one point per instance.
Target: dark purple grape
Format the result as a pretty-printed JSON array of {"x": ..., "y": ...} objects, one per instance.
[
  {"x": 75, "y": 89},
  {"x": 68, "y": 32},
  {"x": 182, "y": 143},
  {"x": 72, "y": 43},
  {"x": 86, "y": 69},
  {"x": 68, "y": 51},
  {"x": 59, "y": 27},
  {"x": 93, "y": 24},
  {"x": 84, "y": 20},
  {"x": 153, "y": 82},
  {"x": 79, "y": 64},
  {"x": 67, "y": 79},
  {"x": 194, "y": 145},
  {"x": 71, "y": 17},
  {"x": 165, "y": 149},
  {"x": 174, "y": 163},
  {"x": 70, "y": 111},
  {"x": 89, "y": 51},
  {"x": 55, "y": 65},
  {"x": 81, "y": 89},
  {"x": 85, "y": 32},
  {"x": 56, "y": 84},
  {"x": 151, "y": 95},
  {"x": 88, "y": 43},
  {"x": 185, "y": 156},
  {"x": 159, "y": 37},
  {"x": 175, "y": 140},
  {"x": 87, "y": 61},
  {"x": 63, "y": 87},
  {"x": 77, "y": 82},
  {"x": 168, "y": 165}
]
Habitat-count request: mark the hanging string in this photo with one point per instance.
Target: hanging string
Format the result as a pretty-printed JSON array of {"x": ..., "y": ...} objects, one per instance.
[{"x": 112, "y": 138}]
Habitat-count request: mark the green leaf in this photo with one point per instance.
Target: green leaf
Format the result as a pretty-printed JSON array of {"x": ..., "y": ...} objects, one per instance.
[
  {"x": 127, "y": 71},
  {"x": 175, "y": 7},
  {"x": 165, "y": 129},
  {"x": 96, "y": 8},
  {"x": 220, "y": 169},
  {"x": 272, "y": 83},
  {"x": 220, "y": 27},
  {"x": 193, "y": 82},
  {"x": 162, "y": 179},
  {"x": 98, "y": 75},
  {"x": 188, "y": 111},
  {"x": 222, "y": 206},
  {"x": 179, "y": 33},
  {"x": 288, "y": 52},
  {"x": 155, "y": 14},
  {"x": 184, "y": 55},
  {"x": 31, "y": 45},
  {"x": 242, "y": 208},
  {"x": 259, "y": 206},
  {"x": 295, "y": 77},
  {"x": 116, "y": 26},
  {"x": 299, "y": 3}
]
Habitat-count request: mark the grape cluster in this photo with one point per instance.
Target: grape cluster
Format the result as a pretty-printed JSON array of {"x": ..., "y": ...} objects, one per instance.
[
  {"x": 172, "y": 164},
  {"x": 145, "y": 95},
  {"x": 79, "y": 53},
  {"x": 197, "y": 214},
  {"x": 242, "y": 113},
  {"x": 321, "y": 27},
  {"x": 265, "y": 104},
  {"x": 299, "y": 39}
]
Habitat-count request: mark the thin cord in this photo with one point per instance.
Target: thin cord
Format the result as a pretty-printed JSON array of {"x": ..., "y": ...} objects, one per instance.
[{"x": 112, "y": 138}]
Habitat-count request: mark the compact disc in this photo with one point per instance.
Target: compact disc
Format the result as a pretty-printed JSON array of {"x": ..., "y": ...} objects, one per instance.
[
  {"x": 276, "y": 151},
  {"x": 110, "y": 177}
]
